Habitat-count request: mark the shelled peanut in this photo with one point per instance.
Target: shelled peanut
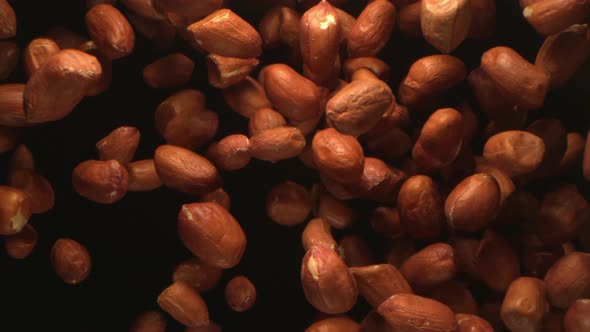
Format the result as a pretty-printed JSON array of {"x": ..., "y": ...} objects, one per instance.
[{"x": 447, "y": 161}]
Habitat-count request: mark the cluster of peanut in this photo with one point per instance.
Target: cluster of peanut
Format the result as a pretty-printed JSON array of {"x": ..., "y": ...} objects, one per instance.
[{"x": 455, "y": 215}]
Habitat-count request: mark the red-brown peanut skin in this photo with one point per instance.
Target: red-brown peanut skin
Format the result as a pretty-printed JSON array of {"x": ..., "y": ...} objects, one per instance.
[
  {"x": 473, "y": 203},
  {"x": 339, "y": 157},
  {"x": 497, "y": 263},
  {"x": 191, "y": 9},
  {"x": 563, "y": 53},
  {"x": 376, "y": 283},
  {"x": 200, "y": 276},
  {"x": 71, "y": 73},
  {"x": 524, "y": 305},
  {"x": 515, "y": 152},
  {"x": 568, "y": 279},
  {"x": 288, "y": 203},
  {"x": 9, "y": 53},
  {"x": 429, "y": 78},
  {"x": 317, "y": 232},
  {"x": 334, "y": 324},
  {"x": 553, "y": 16},
  {"x": 212, "y": 234},
  {"x": 15, "y": 211},
  {"x": 230, "y": 153},
  {"x": 168, "y": 72},
  {"x": 455, "y": 295},
  {"x": 471, "y": 323},
  {"x": 119, "y": 145},
  {"x": 430, "y": 266},
  {"x": 185, "y": 171},
  {"x": 225, "y": 33},
  {"x": 111, "y": 31},
  {"x": 36, "y": 186},
  {"x": 440, "y": 140},
  {"x": 102, "y": 182},
  {"x": 246, "y": 97},
  {"x": 577, "y": 318},
  {"x": 337, "y": 213},
  {"x": 319, "y": 36},
  {"x": 372, "y": 29},
  {"x": 386, "y": 222},
  {"x": 327, "y": 283},
  {"x": 183, "y": 120},
  {"x": 359, "y": 106},
  {"x": 421, "y": 208},
  {"x": 21, "y": 244},
  {"x": 563, "y": 212},
  {"x": 143, "y": 176},
  {"x": 12, "y": 111},
  {"x": 265, "y": 118},
  {"x": 240, "y": 294},
  {"x": 291, "y": 94},
  {"x": 70, "y": 260},
  {"x": 277, "y": 144},
  {"x": 8, "y": 19},
  {"x": 184, "y": 304},
  {"x": 519, "y": 81},
  {"x": 413, "y": 313},
  {"x": 466, "y": 255}
]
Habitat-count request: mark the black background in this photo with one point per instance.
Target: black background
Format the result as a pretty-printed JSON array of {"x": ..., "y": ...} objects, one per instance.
[{"x": 133, "y": 243}]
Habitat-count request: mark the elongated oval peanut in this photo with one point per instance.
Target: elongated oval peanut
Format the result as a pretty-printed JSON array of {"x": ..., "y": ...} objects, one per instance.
[
  {"x": 430, "y": 266},
  {"x": 246, "y": 97},
  {"x": 472, "y": 323},
  {"x": 111, "y": 31},
  {"x": 473, "y": 203},
  {"x": 319, "y": 37},
  {"x": 440, "y": 140},
  {"x": 212, "y": 234},
  {"x": 225, "y": 33},
  {"x": 377, "y": 283},
  {"x": 338, "y": 156},
  {"x": 327, "y": 283},
  {"x": 429, "y": 78},
  {"x": 59, "y": 85},
  {"x": 413, "y": 313},
  {"x": 21, "y": 244},
  {"x": 372, "y": 29},
  {"x": 240, "y": 294},
  {"x": 421, "y": 207},
  {"x": 301, "y": 103},
  {"x": 359, "y": 106},
  {"x": 552, "y": 16},
  {"x": 184, "y": 304},
  {"x": 185, "y": 171},
  {"x": 277, "y": 144},
  {"x": 519, "y": 81},
  {"x": 563, "y": 53}
]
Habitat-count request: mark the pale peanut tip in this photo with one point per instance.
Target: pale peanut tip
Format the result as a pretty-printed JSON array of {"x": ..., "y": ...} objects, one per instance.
[
  {"x": 527, "y": 12},
  {"x": 312, "y": 267},
  {"x": 18, "y": 221},
  {"x": 330, "y": 20}
]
